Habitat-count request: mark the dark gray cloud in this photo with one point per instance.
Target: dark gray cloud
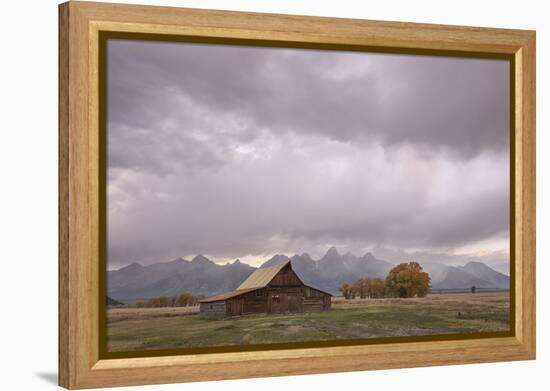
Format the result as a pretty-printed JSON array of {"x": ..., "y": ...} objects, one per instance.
[{"x": 235, "y": 151}]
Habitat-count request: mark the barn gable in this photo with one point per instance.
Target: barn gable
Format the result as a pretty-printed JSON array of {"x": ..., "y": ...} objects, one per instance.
[{"x": 263, "y": 276}]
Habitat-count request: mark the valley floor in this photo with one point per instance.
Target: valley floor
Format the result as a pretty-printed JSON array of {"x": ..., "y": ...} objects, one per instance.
[{"x": 171, "y": 328}]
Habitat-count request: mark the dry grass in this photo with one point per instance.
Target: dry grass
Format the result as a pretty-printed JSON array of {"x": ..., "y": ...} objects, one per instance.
[
  {"x": 166, "y": 328},
  {"x": 121, "y": 314},
  {"x": 435, "y": 299}
]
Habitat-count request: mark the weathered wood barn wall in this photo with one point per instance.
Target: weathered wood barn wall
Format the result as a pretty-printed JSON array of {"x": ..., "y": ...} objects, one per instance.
[{"x": 271, "y": 290}]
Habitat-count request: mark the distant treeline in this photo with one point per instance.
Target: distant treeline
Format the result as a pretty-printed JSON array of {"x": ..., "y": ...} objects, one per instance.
[
  {"x": 182, "y": 300},
  {"x": 404, "y": 280}
]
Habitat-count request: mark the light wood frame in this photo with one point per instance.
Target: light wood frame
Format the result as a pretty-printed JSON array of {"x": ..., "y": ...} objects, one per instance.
[{"x": 79, "y": 27}]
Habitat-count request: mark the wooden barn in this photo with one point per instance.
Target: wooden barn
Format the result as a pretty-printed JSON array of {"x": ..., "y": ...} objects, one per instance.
[{"x": 271, "y": 290}]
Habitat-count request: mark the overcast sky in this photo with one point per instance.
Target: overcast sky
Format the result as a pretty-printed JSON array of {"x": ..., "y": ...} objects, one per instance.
[{"x": 243, "y": 152}]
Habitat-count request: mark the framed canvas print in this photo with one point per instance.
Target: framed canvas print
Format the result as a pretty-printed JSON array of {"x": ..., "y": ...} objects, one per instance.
[{"x": 297, "y": 194}]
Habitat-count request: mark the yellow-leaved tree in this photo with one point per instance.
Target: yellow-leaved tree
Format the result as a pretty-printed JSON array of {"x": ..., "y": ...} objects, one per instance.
[{"x": 408, "y": 280}]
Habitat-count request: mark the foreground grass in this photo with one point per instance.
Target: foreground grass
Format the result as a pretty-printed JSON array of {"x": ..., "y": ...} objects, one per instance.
[{"x": 435, "y": 314}]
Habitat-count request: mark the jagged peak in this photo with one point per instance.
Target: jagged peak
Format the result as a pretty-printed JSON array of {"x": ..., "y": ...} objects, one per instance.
[
  {"x": 279, "y": 257},
  {"x": 332, "y": 252},
  {"x": 200, "y": 259},
  {"x": 132, "y": 266},
  {"x": 275, "y": 260},
  {"x": 369, "y": 256}
]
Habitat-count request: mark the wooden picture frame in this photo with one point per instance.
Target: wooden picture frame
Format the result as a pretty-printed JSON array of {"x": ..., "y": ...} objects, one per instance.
[{"x": 81, "y": 162}]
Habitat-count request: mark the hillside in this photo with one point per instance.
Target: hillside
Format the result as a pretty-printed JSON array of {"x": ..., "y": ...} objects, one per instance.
[
  {"x": 463, "y": 277},
  {"x": 200, "y": 276}
]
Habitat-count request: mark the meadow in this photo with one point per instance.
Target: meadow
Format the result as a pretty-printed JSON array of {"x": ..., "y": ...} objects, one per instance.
[{"x": 131, "y": 329}]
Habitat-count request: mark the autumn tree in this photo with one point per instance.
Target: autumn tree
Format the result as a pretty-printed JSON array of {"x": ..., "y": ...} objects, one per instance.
[
  {"x": 183, "y": 300},
  {"x": 360, "y": 288},
  {"x": 345, "y": 289},
  {"x": 408, "y": 280},
  {"x": 164, "y": 301},
  {"x": 376, "y": 288}
]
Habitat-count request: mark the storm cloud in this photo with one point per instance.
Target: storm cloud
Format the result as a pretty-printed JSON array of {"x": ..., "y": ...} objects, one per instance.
[{"x": 242, "y": 152}]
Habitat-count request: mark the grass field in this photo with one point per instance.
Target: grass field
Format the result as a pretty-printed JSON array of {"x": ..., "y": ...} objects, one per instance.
[{"x": 169, "y": 328}]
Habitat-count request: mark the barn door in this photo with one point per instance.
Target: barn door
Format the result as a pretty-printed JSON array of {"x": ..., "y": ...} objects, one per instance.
[
  {"x": 235, "y": 307},
  {"x": 284, "y": 302},
  {"x": 274, "y": 304},
  {"x": 293, "y": 303}
]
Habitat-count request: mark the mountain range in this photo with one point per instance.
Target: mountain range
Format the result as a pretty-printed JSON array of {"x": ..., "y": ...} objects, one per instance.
[
  {"x": 475, "y": 274},
  {"x": 201, "y": 276}
]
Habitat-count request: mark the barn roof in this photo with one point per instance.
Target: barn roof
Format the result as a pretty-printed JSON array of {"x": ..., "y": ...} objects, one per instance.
[
  {"x": 259, "y": 279},
  {"x": 262, "y": 276},
  {"x": 226, "y": 295}
]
